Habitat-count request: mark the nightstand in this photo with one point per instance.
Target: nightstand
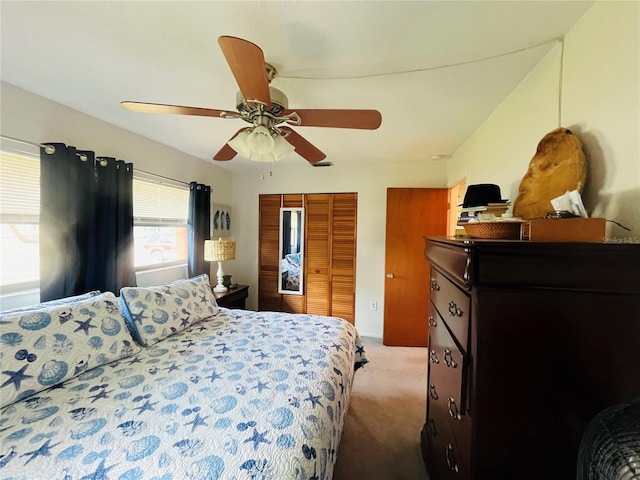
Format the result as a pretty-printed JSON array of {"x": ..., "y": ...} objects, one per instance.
[{"x": 233, "y": 298}]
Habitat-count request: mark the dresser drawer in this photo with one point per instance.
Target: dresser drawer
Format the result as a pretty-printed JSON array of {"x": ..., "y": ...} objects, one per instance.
[
  {"x": 447, "y": 367},
  {"x": 447, "y": 397},
  {"x": 444, "y": 460},
  {"x": 454, "y": 306}
]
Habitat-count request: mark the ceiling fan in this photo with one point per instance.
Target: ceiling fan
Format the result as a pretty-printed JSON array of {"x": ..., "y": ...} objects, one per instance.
[{"x": 266, "y": 109}]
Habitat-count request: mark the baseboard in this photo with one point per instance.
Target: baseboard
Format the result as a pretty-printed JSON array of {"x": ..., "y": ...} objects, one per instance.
[{"x": 370, "y": 335}]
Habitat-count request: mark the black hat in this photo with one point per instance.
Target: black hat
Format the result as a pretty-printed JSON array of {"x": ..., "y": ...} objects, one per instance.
[{"x": 481, "y": 195}]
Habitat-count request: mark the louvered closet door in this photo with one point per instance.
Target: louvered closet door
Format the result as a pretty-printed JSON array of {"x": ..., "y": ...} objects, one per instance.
[
  {"x": 343, "y": 255},
  {"x": 269, "y": 235},
  {"x": 269, "y": 231},
  {"x": 329, "y": 254},
  {"x": 318, "y": 253}
]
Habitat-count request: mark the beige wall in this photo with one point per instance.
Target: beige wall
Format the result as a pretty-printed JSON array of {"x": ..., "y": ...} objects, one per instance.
[{"x": 600, "y": 103}]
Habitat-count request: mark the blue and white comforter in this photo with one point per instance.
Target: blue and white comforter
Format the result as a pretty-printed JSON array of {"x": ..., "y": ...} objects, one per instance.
[{"x": 243, "y": 395}]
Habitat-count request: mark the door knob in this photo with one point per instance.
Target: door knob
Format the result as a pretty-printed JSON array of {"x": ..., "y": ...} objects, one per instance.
[{"x": 389, "y": 275}]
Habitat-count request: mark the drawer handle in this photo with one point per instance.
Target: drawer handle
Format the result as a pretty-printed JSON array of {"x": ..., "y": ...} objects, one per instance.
[
  {"x": 448, "y": 359},
  {"x": 433, "y": 356},
  {"x": 431, "y": 427},
  {"x": 454, "y": 310},
  {"x": 453, "y": 409},
  {"x": 451, "y": 462},
  {"x": 432, "y": 392},
  {"x": 434, "y": 286},
  {"x": 432, "y": 321}
]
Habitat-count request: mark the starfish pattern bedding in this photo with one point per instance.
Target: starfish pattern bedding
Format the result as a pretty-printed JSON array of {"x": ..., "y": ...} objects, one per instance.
[{"x": 241, "y": 395}]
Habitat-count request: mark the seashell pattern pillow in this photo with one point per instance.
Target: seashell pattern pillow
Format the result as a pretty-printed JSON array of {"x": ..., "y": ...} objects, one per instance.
[
  {"x": 43, "y": 347},
  {"x": 52, "y": 303},
  {"x": 154, "y": 313}
]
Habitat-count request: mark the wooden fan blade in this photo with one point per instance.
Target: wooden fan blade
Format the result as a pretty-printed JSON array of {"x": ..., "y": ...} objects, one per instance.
[
  {"x": 175, "y": 109},
  {"x": 226, "y": 152},
  {"x": 303, "y": 148},
  {"x": 246, "y": 61},
  {"x": 363, "y": 119}
]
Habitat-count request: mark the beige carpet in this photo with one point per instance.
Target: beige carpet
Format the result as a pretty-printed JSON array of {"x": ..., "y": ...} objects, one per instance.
[{"x": 381, "y": 438}]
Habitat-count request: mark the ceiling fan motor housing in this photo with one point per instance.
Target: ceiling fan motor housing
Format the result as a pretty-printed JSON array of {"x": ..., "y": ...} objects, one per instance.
[{"x": 279, "y": 103}]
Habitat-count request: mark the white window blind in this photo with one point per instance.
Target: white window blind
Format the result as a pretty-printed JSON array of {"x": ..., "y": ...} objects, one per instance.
[
  {"x": 19, "y": 188},
  {"x": 157, "y": 204},
  {"x": 19, "y": 218}
]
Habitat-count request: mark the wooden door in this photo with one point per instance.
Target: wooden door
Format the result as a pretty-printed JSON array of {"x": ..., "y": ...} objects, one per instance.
[
  {"x": 318, "y": 253},
  {"x": 344, "y": 210},
  {"x": 331, "y": 254},
  {"x": 268, "y": 234},
  {"x": 412, "y": 215},
  {"x": 329, "y": 258},
  {"x": 268, "y": 256}
]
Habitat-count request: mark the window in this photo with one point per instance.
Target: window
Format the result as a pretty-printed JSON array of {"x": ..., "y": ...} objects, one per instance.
[
  {"x": 160, "y": 215},
  {"x": 160, "y": 220},
  {"x": 19, "y": 218}
]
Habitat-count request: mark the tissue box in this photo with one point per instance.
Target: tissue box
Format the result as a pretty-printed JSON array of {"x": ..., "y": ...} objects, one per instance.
[{"x": 563, "y": 230}]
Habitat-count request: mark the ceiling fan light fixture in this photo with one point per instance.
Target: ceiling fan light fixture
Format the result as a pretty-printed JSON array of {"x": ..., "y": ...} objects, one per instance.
[
  {"x": 281, "y": 148},
  {"x": 244, "y": 144},
  {"x": 260, "y": 140},
  {"x": 239, "y": 143}
]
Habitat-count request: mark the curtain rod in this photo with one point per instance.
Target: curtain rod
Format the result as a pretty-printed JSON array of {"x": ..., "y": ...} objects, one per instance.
[
  {"x": 51, "y": 149},
  {"x": 161, "y": 176},
  {"x": 25, "y": 142}
]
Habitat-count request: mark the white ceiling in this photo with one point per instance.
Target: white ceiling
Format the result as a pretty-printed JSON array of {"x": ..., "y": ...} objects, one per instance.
[{"x": 420, "y": 63}]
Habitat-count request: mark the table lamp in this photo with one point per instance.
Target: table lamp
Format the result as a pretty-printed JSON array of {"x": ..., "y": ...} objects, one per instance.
[{"x": 219, "y": 251}]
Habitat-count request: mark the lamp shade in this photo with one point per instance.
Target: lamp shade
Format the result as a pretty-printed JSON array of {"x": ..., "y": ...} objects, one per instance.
[
  {"x": 219, "y": 250},
  {"x": 281, "y": 148},
  {"x": 240, "y": 145},
  {"x": 260, "y": 140},
  {"x": 259, "y": 145}
]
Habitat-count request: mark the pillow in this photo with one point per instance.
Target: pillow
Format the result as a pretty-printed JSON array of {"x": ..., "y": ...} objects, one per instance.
[
  {"x": 154, "y": 313},
  {"x": 45, "y": 346},
  {"x": 51, "y": 303}
]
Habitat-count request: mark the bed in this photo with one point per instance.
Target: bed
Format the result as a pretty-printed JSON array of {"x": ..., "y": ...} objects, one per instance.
[{"x": 232, "y": 395}]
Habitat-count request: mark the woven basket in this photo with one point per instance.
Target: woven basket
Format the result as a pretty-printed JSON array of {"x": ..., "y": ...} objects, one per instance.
[{"x": 497, "y": 230}]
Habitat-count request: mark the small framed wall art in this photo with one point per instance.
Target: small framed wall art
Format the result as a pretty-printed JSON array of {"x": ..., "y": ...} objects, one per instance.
[{"x": 221, "y": 220}]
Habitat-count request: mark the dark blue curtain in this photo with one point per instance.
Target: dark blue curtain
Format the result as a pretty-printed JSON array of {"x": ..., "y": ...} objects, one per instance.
[
  {"x": 86, "y": 223},
  {"x": 199, "y": 227}
]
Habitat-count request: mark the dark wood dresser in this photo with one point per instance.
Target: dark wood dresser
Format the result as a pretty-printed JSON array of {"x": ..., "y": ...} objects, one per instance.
[
  {"x": 233, "y": 298},
  {"x": 527, "y": 342}
]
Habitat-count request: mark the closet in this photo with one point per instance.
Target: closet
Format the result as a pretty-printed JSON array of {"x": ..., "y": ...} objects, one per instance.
[{"x": 330, "y": 221}]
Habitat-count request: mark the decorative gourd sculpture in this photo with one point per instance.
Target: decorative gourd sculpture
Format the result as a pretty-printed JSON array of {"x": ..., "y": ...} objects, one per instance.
[{"x": 557, "y": 167}]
